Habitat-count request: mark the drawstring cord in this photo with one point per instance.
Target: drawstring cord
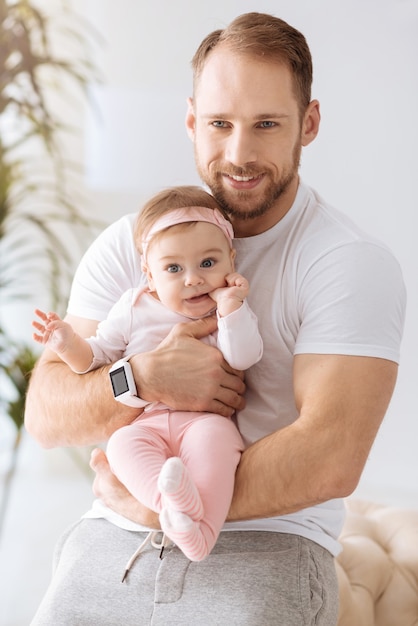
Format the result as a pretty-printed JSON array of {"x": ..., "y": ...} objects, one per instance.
[{"x": 152, "y": 539}]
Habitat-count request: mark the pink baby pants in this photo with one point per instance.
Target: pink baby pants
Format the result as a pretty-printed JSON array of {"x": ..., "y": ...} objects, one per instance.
[{"x": 209, "y": 445}]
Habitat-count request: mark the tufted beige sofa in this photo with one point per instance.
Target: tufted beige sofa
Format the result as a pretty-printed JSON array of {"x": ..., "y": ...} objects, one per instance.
[{"x": 378, "y": 566}]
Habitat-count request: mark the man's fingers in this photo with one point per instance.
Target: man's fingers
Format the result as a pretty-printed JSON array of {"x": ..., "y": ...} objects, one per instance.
[
  {"x": 115, "y": 495},
  {"x": 98, "y": 459},
  {"x": 197, "y": 328},
  {"x": 100, "y": 465},
  {"x": 230, "y": 394},
  {"x": 221, "y": 408}
]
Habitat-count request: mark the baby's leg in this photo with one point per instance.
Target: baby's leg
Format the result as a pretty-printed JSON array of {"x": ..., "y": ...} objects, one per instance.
[
  {"x": 136, "y": 455},
  {"x": 211, "y": 449}
]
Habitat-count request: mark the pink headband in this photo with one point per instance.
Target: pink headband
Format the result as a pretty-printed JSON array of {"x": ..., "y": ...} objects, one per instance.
[{"x": 188, "y": 214}]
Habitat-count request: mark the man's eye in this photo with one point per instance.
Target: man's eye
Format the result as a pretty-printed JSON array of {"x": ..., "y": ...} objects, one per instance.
[
  {"x": 218, "y": 124},
  {"x": 267, "y": 124},
  {"x": 207, "y": 263},
  {"x": 173, "y": 268}
]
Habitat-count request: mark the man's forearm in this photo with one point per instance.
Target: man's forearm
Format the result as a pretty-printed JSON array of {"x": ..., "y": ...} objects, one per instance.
[
  {"x": 342, "y": 401},
  {"x": 67, "y": 409},
  {"x": 268, "y": 482}
]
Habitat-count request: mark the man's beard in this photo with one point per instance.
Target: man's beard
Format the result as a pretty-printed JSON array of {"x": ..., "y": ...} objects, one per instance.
[{"x": 243, "y": 207}]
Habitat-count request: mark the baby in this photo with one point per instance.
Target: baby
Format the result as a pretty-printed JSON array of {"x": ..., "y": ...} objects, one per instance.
[{"x": 180, "y": 464}]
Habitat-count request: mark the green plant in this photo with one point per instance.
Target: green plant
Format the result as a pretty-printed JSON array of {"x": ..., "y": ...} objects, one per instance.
[
  {"x": 42, "y": 58},
  {"x": 36, "y": 195},
  {"x": 16, "y": 361}
]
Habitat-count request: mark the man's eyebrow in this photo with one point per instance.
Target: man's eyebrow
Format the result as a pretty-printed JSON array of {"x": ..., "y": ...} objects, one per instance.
[
  {"x": 269, "y": 116},
  {"x": 261, "y": 116}
]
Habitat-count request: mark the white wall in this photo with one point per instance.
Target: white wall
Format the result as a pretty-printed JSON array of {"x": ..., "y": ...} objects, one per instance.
[{"x": 364, "y": 161}]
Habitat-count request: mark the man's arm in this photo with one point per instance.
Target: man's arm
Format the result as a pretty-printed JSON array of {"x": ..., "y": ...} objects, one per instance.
[
  {"x": 342, "y": 401},
  {"x": 64, "y": 409}
]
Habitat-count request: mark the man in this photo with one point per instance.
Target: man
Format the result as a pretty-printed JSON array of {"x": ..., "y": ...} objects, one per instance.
[{"x": 308, "y": 412}]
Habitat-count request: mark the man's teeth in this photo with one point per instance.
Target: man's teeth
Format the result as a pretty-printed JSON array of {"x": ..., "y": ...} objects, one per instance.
[{"x": 243, "y": 179}]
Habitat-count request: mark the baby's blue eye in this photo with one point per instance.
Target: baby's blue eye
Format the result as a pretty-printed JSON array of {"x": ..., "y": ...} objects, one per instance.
[
  {"x": 173, "y": 268},
  {"x": 207, "y": 263}
]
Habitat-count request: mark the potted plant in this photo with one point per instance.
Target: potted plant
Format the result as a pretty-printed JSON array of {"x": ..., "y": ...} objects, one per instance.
[{"x": 40, "y": 216}]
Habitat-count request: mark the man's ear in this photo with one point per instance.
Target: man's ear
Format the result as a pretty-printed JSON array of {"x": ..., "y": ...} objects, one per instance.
[
  {"x": 310, "y": 124},
  {"x": 190, "y": 119}
]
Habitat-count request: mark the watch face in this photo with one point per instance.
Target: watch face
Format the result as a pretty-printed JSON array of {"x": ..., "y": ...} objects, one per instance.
[{"x": 119, "y": 382}]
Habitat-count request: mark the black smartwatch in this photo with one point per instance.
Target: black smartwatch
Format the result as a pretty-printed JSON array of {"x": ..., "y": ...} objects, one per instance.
[{"x": 123, "y": 384}]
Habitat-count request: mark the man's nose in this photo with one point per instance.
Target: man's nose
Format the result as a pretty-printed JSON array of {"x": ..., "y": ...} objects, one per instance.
[{"x": 240, "y": 148}]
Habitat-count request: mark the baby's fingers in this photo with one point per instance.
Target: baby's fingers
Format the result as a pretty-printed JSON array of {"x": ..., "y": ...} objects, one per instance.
[
  {"x": 41, "y": 314},
  {"x": 38, "y": 325},
  {"x": 38, "y": 338},
  {"x": 43, "y": 335},
  {"x": 47, "y": 317},
  {"x": 236, "y": 280}
]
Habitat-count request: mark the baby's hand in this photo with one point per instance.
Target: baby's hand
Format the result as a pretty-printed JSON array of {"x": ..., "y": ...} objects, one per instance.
[
  {"x": 52, "y": 331},
  {"x": 231, "y": 297}
]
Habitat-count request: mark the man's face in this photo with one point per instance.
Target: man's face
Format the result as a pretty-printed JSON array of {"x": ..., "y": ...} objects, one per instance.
[{"x": 247, "y": 132}]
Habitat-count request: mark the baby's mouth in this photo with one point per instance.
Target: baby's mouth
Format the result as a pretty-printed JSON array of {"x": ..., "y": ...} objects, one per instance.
[{"x": 197, "y": 299}]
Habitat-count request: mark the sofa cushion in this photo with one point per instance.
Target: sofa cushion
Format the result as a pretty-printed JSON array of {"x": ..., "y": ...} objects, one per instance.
[{"x": 378, "y": 566}]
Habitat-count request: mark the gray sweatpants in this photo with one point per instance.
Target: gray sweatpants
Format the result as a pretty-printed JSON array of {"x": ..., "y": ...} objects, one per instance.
[{"x": 250, "y": 578}]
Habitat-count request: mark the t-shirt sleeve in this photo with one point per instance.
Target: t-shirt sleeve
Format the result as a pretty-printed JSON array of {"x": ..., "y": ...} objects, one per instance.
[
  {"x": 352, "y": 301},
  {"x": 110, "y": 266}
]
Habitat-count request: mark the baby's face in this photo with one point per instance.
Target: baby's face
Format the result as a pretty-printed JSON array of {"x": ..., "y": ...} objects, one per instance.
[{"x": 186, "y": 263}]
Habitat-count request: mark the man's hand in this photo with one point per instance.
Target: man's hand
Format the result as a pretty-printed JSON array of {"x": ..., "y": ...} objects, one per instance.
[
  {"x": 187, "y": 374},
  {"x": 114, "y": 495}
]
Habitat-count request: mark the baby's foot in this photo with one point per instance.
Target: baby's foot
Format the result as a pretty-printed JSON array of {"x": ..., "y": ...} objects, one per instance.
[
  {"x": 186, "y": 533},
  {"x": 178, "y": 489}
]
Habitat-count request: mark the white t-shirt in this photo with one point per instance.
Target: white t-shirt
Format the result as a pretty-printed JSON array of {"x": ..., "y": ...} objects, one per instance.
[{"x": 318, "y": 285}]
